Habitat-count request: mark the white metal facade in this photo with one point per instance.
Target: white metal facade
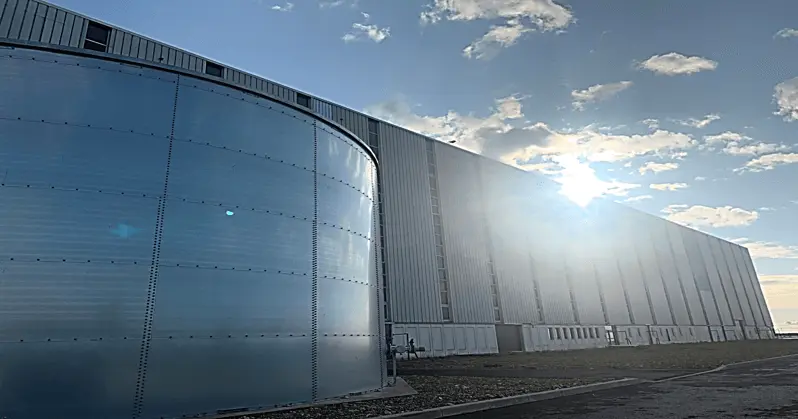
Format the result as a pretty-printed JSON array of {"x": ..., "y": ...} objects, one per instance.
[{"x": 472, "y": 242}]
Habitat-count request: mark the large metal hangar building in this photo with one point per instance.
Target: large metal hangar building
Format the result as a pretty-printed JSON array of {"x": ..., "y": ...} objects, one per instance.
[{"x": 181, "y": 238}]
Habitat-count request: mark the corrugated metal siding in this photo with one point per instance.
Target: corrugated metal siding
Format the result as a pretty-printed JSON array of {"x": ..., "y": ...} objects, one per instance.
[
  {"x": 739, "y": 289},
  {"x": 671, "y": 278},
  {"x": 726, "y": 283},
  {"x": 582, "y": 274},
  {"x": 703, "y": 285},
  {"x": 353, "y": 121},
  {"x": 548, "y": 237},
  {"x": 602, "y": 248},
  {"x": 410, "y": 252},
  {"x": 750, "y": 296},
  {"x": 750, "y": 285},
  {"x": 687, "y": 276},
  {"x": 716, "y": 281},
  {"x": 466, "y": 247},
  {"x": 629, "y": 265},
  {"x": 757, "y": 287},
  {"x": 503, "y": 189},
  {"x": 650, "y": 267}
]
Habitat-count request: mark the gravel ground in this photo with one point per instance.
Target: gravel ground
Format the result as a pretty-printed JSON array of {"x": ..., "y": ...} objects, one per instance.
[
  {"x": 656, "y": 357},
  {"x": 432, "y": 392}
]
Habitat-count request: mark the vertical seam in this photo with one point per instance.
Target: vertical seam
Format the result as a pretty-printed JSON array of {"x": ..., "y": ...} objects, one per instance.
[
  {"x": 314, "y": 288},
  {"x": 138, "y": 401}
]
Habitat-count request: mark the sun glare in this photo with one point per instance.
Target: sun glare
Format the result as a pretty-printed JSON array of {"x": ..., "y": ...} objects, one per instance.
[{"x": 579, "y": 182}]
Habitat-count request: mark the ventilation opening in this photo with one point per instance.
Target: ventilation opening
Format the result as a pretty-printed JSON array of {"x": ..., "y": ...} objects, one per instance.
[
  {"x": 303, "y": 100},
  {"x": 97, "y": 37},
  {"x": 214, "y": 69}
]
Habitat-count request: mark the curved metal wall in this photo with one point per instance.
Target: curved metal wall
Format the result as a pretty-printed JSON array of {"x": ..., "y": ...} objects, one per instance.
[{"x": 171, "y": 246}]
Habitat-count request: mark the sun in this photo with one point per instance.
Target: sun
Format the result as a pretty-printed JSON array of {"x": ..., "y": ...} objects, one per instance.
[{"x": 579, "y": 182}]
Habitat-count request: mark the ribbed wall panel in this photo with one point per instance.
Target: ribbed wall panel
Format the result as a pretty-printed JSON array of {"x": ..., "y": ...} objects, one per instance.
[
  {"x": 547, "y": 232},
  {"x": 669, "y": 270},
  {"x": 712, "y": 264},
  {"x": 651, "y": 270},
  {"x": 749, "y": 284},
  {"x": 687, "y": 282},
  {"x": 409, "y": 247},
  {"x": 726, "y": 281},
  {"x": 626, "y": 252},
  {"x": 757, "y": 287},
  {"x": 609, "y": 275},
  {"x": 737, "y": 282},
  {"x": 582, "y": 274},
  {"x": 690, "y": 240},
  {"x": 466, "y": 247},
  {"x": 745, "y": 291},
  {"x": 504, "y": 189}
]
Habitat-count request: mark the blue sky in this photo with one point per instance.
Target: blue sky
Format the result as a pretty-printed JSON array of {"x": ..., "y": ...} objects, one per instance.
[{"x": 684, "y": 109}]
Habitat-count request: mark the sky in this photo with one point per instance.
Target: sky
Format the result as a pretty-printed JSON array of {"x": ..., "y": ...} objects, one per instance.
[{"x": 681, "y": 108}]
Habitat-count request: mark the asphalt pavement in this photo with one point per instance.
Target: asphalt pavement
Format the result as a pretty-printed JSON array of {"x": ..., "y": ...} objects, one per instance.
[{"x": 760, "y": 390}]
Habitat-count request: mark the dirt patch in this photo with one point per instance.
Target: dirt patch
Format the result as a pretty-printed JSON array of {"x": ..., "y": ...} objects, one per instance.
[
  {"x": 432, "y": 392},
  {"x": 694, "y": 356}
]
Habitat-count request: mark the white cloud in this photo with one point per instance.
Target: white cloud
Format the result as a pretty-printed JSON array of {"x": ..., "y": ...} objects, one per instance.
[
  {"x": 336, "y": 3},
  {"x": 668, "y": 186},
  {"x": 699, "y": 123},
  {"x": 737, "y": 144},
  {"x": 651, "y": 123},
  {"x": 363, "y": 30},
  {"x": 597, "y": 93},
  {"x": 673, "y": 64},
  {"x": 786, "y": 33},
  {"x": 768, "y": 250},
  {"x": 700, "y": 178},
  {"x": 518, "y": 17},
  {"x": 700, "y": 216},
  {"x": 768, "y": 162},
  {"x": 657, "y": 167},
  {"x": 287, "y": 8},
  {"x": 499, "y": 36},
  {"x": 725, "y": 137},
  {"x": 786, "y": 96},
  {"x": 637, "y": 198},
  {"x": 545, "y": 14},
  {"x": 331, "y": 4},
  {"x": 505, "y": 135},
  {"x": 753, "y": 149}
]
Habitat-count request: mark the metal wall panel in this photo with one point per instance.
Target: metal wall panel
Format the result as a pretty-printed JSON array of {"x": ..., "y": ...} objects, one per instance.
[
  {"x": 671, "y": 279},
  {"x": 409, "y": 248},
  {"x": 78, "y": 224},
  {"x": 757, "y": 287},
  {"x": 202, "y": 206},
  {"x": 651, "y": 269},
  {"x": 750, "y": 297},
  {"x": 504, "y": 189},
  {"x": 739, "y": 289},
  {"x": 687, "y": 281},
  {"x": 713, "y": 271},
  {"x": 582, "y": 274},
  {"x": 726, "y": 283},
  {"x": 6, "y": 14},
  {"x": 547, "y": 236},
  {"x": 17, "y": 18},
  {"x": 602, "y": 244},
  {"x": 742, "y": 286},
  {"x": 690, "y": 239},
  {"x": 751, "y": 285},
  {"x": 49, "y": 379},
  {"x": 27, "y": 21},
  {"x": 626, "y": 252},
  {"x": 466, "y": 245}
]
